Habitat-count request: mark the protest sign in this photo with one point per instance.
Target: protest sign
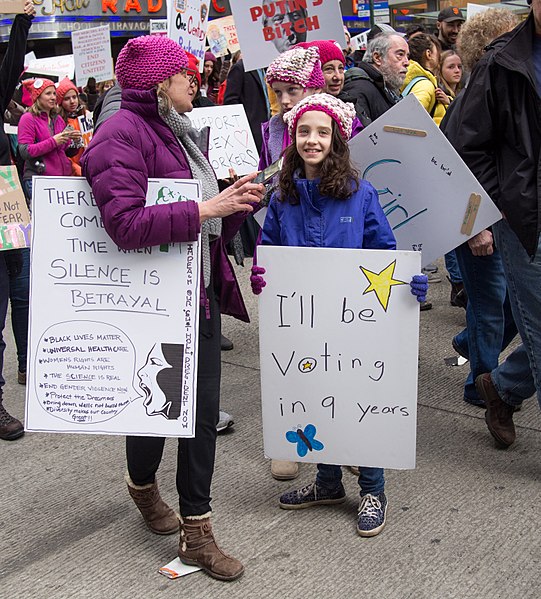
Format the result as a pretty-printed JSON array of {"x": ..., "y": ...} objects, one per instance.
[
  {"x": 92, "y": 54},
  {"x": 115, "y": 351},
  {"x": 266, "y": 28},
  {"x": 187, "y": 25},
  {"x": 222, "y": 36},
  {"x": 475, "y": 9},
  {"x": 54, "y": 67},
  {"x": 339, "y": 335},
  {"x": 231, "y": 143},
  {"x": 14, "y": 215},
  {"x": 9, "y": 7},
  {"x": 424, "y": 187},
  {"x": 86, "y": 127}
]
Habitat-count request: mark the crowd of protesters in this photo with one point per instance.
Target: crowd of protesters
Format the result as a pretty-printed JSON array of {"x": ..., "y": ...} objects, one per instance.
[{"x": 479, "y": 80}]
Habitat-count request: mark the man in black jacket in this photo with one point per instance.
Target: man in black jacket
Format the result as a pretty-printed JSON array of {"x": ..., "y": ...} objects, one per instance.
[
  {"x": 373, "y": 87},
  {"x": 10, "y": 260},
  {"x": 499, "y": 138}
]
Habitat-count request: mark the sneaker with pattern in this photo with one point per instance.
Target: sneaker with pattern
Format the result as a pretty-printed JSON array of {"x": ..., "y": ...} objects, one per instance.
[
  {"x": 311, "y": 495},
  {"x": 371, "y": 516}
]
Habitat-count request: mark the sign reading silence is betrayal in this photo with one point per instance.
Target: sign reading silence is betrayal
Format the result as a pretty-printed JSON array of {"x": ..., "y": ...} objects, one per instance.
[
  {"x": 339, "y": 335},
  {"x": 115, "y": 350},
  {"x": 15, "y": 228},
  {"x": 231, "y": 143},
  {"x": 266, "y": 28},
  {"x": 430, "y": 197}
]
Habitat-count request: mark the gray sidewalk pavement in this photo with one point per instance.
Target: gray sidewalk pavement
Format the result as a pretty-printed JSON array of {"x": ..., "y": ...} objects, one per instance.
[{"x": 465, "y": 524}]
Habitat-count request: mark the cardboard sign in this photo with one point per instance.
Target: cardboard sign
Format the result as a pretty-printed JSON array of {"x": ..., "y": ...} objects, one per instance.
[
  {"x": 222, "y": 36},
  {"x": 231, "y": 141},
  {"x": 92, "y": 54},
  {"x": 187, "y": 25},
  {"x": 266, "y": 28},
  {"x": 424, "y": 186},
  {"x": 339, "y": 336},
  {"x": 15, "y": 229},
  {"x": 11, "y": 7},
  {"x": 115, "y": 352}
]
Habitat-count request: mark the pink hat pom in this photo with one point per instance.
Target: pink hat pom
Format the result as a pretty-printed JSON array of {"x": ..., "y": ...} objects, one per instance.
[
  {"x": 342, "y": 113},
  {"x": 148, "y": 60},
  {"x": 298, "y": 65}
]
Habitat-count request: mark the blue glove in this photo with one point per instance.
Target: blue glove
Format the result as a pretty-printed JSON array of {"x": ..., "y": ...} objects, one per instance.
[{"x": 419, "y": 287}]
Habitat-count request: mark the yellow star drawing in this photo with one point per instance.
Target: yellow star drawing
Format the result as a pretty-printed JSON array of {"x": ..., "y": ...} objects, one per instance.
[{"x": 381, "y": 283}]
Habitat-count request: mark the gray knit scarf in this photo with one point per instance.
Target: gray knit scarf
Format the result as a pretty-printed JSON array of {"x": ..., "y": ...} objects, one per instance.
[{"x": 210, "y": 229}]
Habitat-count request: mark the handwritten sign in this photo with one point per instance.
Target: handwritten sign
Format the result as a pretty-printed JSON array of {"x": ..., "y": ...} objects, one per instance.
[
  {"x": 222, "y": 36},
  {"x": 86, "y": 127},
  {"x": 424, "y": 186},
  {"x": 92, "y": 54},
  {"x": 9, "y": 7},
  {"x": 187, "y": 25},
  {"x": 266, "y": 28},
  {"x": 115, "y": 351},
  {"x": 231, "y": 143},
  {"x": 339, "y": 334},
  {"x": 15, "y": 228},
  {"x": 54, "y": 67}
]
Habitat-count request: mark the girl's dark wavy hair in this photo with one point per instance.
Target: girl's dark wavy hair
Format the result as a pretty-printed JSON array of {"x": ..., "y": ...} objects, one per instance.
[{"x": 338, "y": 177}]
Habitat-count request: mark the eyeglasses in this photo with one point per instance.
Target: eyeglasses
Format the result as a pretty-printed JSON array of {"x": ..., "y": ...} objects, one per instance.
[{"x": 192, "y": 77}]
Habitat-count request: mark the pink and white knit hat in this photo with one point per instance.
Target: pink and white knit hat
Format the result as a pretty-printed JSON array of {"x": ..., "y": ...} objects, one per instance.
[
  {"x": 148, "y": 60},
  {"x": 298, "y": 65},
  {"x": 341, "y": 112}
]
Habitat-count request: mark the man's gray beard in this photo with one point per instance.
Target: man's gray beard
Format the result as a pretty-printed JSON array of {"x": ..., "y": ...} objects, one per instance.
[{"x": 392, "y": 80}]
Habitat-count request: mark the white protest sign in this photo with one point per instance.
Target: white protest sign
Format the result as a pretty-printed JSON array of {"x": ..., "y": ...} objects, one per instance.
[
  {"x": 92, "y": 54},
  {"x": 266, "y": 28},
  {"x": 187, "y": 25},
  {"x": 115, "y": 349},
  {"x": 424, "y": 186},
  {"x": 222, "y": 36},
  {"x": 231, "y": 143},
  {"x": 475, "y": 9},
  {"x": 56, "y": 66},
  {"x": 339, "y": 335}
]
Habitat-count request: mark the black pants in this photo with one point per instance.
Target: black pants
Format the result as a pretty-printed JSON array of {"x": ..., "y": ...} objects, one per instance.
[{"x": 195, "y": 458}]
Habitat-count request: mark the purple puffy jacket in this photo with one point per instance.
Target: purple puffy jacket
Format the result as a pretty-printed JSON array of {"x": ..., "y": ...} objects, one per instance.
[{"x": 129, "y": 148}]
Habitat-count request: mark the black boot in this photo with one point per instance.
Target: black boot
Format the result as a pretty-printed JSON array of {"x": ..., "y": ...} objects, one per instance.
[{"x": 459, "y": 297}]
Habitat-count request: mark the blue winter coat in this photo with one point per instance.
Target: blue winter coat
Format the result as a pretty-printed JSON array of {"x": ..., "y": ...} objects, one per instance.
[{"x": 319, "y": 221}]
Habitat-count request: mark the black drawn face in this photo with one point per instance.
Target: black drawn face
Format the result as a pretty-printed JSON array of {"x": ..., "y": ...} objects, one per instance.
[{"x": 160, "y": 379}]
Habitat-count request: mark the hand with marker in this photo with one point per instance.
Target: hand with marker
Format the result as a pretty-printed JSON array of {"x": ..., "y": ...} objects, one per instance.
[
  {"x": 256, "y": 280},
  {"x": 419, "y": 287}
]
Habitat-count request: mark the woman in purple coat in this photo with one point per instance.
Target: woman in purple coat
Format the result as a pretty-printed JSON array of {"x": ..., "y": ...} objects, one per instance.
[{"x": 150, "y": 136}]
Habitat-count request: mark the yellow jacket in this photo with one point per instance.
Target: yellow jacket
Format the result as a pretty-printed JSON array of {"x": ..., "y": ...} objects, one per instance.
[{"x": 425, "y": 90}]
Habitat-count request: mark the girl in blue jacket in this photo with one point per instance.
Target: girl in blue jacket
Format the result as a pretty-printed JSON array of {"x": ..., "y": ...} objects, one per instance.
[{"x": 319, "y": 191}]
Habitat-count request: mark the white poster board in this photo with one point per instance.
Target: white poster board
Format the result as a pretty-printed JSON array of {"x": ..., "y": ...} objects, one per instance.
[
  {"x": 424, "y": 186},
  {"x": 222, "y": 36},
  {"x": 266, "y": 28},
  {"x": 475, "y": 9},
  {"x": 56, "y": 66},
  {"x": 187, "y": 25},
  {"x": 92, "y": 54},
  {"x": 339, "y": 335},
  {"x": 113, "y": 333},
  {"x": 231, "y": 143}
]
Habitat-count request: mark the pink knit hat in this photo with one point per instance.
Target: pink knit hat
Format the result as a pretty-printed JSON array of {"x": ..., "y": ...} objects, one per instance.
[
  {"x": 148, "y": 60},
  {"x": 328, "y": 50},
  {"x": 63, "y": 88},
  {"x": 36, "y": 87},
  {"x": 298, "y": 65},
  {"x": 343, "y": 113}
]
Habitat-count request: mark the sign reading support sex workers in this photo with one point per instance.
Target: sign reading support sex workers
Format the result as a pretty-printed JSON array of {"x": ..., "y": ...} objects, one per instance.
[
  {"x": 339, "y": 338},
  {"x": 187, "y": 25},
  {"x": 266, "y": 28},
  {"x": 115, "y": 352},
  {"x": 231, "y": 143},
  {"x": 92, "y": 54},
  {"x": 430, "y": 197}
]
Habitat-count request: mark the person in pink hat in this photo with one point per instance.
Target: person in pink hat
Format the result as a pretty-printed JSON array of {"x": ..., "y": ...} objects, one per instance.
[
  {"x": 319, "y": 188},
  {"x": 152, "y": 137},
  {"x": 333, "y": 64}
]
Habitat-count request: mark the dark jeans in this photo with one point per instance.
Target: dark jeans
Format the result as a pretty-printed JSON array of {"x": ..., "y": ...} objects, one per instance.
[
  {"x": 4, "y": 295},
  {"x": 195, "y": 457},
  {"x": 371, "y": 480},
  {"x": 19, "y": 293},
  {"x": 489, "y": 320}
]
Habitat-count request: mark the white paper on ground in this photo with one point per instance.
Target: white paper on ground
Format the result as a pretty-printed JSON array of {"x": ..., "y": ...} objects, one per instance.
[{"x": 176, "y": 569}]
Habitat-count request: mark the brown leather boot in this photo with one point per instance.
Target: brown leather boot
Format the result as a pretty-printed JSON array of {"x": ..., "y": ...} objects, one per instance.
[
  {"x": 498, "y": 415},
  {"x": 158, "y": 516},
  {"x": 10, "y": 427},
  {"x": 198, "y": 547}
]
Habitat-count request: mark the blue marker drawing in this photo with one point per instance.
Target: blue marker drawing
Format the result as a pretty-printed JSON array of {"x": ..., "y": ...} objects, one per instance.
[{"x": 305, "y": 440}]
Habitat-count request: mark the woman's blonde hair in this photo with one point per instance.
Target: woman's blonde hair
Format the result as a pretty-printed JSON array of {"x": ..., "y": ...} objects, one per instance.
[
  {"x": 476, "y": 33},
  {"x": 163, "y": 97},
  {"x": 36, "y": 108}
]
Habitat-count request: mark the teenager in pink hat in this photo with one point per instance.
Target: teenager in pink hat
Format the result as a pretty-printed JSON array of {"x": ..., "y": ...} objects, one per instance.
[{"x": 318, "y": 188}]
